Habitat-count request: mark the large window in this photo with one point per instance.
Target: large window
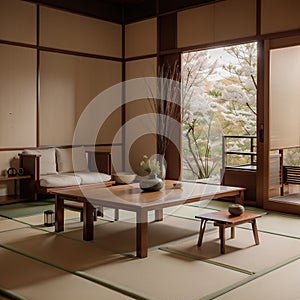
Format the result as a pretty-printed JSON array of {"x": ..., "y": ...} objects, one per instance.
[{"x": 218, "y": 98}]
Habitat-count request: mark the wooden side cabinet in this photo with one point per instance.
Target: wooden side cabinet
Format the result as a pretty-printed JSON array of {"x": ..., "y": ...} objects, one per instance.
[{"x": 23, "y": 182}]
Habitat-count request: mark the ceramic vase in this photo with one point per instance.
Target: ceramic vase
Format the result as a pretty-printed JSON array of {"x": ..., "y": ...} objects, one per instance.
[
  {"x": 151, "y": 183},
  {"x": 236, "y": 209}
]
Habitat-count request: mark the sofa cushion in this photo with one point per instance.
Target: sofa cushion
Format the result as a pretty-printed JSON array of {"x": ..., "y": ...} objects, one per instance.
[
  {"x": 92, "y": 177},
  {"x": 59, "y": 180},
  {"x": 66, "y": 164},
  {"x": 47, "y": 160}
]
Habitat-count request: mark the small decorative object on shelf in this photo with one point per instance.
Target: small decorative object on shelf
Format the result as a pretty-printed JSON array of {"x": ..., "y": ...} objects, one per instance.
[
  {"x": 12, "y": 172},
  {"x": 21, "y": 172},
  {"x": 236, "y": 209},
  {"x": 49, "y": 217}
]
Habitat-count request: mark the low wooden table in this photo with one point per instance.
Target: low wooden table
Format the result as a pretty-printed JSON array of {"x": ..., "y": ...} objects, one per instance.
[
  {"x": 132, "y": 198},
  {"x": 223, "y": 219}
]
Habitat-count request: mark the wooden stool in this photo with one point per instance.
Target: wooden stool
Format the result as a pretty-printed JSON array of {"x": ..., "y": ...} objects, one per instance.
[{"x": 223, "y": 219}]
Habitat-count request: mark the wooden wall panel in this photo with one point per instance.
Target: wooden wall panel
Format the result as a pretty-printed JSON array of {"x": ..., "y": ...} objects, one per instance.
[
  {"x": 167, "y": 32},
  {"x": 141, "y": 68},
  {"x": 140, "y": 128},
  {"x": 285, "y": 42},
  {"x": 225, "y": 20},
  {"x": 17, "y": 97},
  {"x": 235, "y": 19},
  {"x": 195, "y": 26},
  {"x": 69, "y": 31},
  {"x": 142, "y": 107},
  {"x": 18, "y": 21},
  {"x": 140, "y": 38},
  {"x": 68, "y": 85},
  {"x": 8, "y": 159},
  {"x": 279, "y": 15}
]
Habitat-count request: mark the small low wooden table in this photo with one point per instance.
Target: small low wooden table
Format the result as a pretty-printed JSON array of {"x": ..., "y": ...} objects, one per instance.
[{"x": 223, "y": 219}]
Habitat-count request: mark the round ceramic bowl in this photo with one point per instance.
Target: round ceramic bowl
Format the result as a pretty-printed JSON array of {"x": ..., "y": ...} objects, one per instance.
[
  {"x": 236, "y": 209},
  {"x": 124, "y": 177}
]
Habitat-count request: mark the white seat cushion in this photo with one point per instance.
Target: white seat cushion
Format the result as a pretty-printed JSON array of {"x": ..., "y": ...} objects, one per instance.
[
  {"x": 91, "y": 177},
  {"x": 47, "y": 160},
  {"x": 65, "y": 163},
  {"x": 59, "y": 180}
]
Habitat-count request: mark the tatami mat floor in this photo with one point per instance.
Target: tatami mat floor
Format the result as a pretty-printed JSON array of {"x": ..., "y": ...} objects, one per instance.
[{"x": 37, "y": 263}]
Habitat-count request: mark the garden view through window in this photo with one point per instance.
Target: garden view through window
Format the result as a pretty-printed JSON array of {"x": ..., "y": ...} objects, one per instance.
[{"x": 219, "y": 88}]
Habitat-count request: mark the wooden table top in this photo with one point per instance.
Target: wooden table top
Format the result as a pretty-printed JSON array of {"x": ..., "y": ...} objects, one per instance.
[
  {"x": 225, "y": 217},
  {"x": 132, "y": 195}
]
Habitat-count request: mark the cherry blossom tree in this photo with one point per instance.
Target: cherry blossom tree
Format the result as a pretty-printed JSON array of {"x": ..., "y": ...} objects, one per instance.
[{"x": 218, "y": 97}]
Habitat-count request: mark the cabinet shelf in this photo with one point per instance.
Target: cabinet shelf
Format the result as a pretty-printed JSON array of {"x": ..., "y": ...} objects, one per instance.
[
  {"x": 13, "y": 178},
  {"x": 24, "y": 195},
  {"x": 12, "y": 199}
]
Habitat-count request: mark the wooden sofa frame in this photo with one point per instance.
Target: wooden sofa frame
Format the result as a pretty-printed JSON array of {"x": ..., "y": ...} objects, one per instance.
[{"x": 97, "y": 162}]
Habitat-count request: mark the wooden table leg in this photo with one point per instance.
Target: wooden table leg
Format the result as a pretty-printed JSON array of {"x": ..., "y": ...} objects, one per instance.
[
  {"x": 201, "y": 232},
  {"x": 88, "y": 221},
  {"x": 142, "y": 233},
  {"x": 255, "y": 232},
  {"x": 117, "y": 216},
  {"x": 159, "y": 215},
  {"x": 59, "y": 213},
  {"x": 232, "y": 232},
  {"x": 100, "y": 211},
  {"x": 222, "y": 237},
  {"x": 240, "y": 198}
]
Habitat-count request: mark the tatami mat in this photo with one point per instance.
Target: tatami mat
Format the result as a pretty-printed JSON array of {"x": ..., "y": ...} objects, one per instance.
[
  {"x": 285, "y": 224},
  {"x": 23, "y": 209},
  {"x": 63, "y": 266},
  {"x": 35, "y": 281},
  {"x": 280, "y": 284},
  {"x": 121, "y": 236},
  {"x": 7, "y": 224},
  {"x": 57, "y": 250},
  {"x": 187, "y": 211},
  {"x": 167, "y": 276},
  {"x": 223, "y": 205},
  {"x": 241, "y": 252}
]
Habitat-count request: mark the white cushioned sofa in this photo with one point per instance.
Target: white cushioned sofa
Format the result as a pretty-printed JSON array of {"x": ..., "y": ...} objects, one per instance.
[{"x": 64, "y": 167}]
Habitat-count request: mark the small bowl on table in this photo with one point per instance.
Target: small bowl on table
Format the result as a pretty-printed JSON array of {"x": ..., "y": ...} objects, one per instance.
[{"x": 124, "y": 177}]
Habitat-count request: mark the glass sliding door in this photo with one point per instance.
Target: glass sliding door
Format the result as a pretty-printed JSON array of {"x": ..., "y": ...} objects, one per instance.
[{"x": 219, "y": 102}]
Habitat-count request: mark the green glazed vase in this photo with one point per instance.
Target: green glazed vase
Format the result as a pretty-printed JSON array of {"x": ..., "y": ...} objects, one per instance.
[{"x": 151, "y": 183}]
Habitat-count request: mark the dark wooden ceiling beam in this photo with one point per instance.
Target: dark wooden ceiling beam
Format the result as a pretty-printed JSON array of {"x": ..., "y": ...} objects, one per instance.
[{"x": 134, "y": 10}]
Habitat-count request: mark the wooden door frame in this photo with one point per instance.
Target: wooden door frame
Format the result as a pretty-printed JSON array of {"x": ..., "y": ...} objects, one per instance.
[{"x": 262, "y": 124}]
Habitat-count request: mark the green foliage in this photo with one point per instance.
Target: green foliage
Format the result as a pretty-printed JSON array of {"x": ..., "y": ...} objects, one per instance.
[
  {"x": 150, "y": 165},
  {"x": 291, "y": 157}
]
